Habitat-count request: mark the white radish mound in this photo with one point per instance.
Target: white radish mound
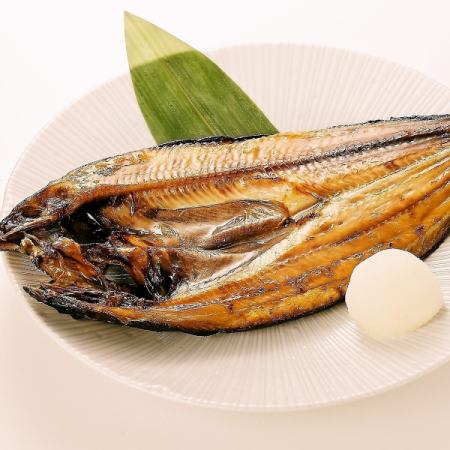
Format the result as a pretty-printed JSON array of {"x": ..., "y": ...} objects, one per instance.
[{"x": 391, "y": 293}]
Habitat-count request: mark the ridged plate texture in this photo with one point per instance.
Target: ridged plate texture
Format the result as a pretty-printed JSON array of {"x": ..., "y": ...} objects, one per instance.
[{"x": 315, "y": 361}]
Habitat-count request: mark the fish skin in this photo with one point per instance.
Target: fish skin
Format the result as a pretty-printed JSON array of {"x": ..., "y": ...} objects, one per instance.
[
  {"x": 170, "y": 166},
  {"x": 300, "y": 211}
]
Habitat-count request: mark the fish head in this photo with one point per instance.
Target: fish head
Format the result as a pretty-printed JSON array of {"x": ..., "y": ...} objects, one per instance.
[{"x": 39, "y": 210}]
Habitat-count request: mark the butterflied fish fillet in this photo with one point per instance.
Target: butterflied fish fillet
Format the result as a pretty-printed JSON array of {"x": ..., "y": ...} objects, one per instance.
[{"x": 230, "y": 234}]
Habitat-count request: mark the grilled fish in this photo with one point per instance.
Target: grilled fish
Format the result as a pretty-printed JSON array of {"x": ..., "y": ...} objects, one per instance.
[{"x": 230, "y": 234}]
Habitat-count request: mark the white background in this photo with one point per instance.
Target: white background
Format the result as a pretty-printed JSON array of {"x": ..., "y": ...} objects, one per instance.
[{"x": 54, "y": 51}]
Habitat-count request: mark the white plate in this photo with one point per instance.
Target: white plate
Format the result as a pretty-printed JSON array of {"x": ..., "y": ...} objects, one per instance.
[{"x": 314, "y": 361}]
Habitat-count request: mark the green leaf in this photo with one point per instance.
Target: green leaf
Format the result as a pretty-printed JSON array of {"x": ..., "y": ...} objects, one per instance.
[{"x": 182, "y": 93}]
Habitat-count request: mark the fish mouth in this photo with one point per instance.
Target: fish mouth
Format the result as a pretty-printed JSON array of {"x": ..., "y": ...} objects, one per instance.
[{"x": 234, "y": 234}]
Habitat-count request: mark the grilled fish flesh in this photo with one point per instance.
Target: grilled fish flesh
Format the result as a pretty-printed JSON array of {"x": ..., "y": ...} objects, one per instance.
[{"x": 230, "y": 234}]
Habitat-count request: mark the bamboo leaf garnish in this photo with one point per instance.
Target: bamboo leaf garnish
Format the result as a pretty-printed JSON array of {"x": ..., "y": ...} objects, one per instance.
[{"x": 182, "y": 93}]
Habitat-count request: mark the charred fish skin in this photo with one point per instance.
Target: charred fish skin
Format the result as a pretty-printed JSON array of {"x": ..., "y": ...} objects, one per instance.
[
  {"x": 231, "y": 235},
  {"x": 174, "y": 166},
  {"x": 75, "y": 303}
]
